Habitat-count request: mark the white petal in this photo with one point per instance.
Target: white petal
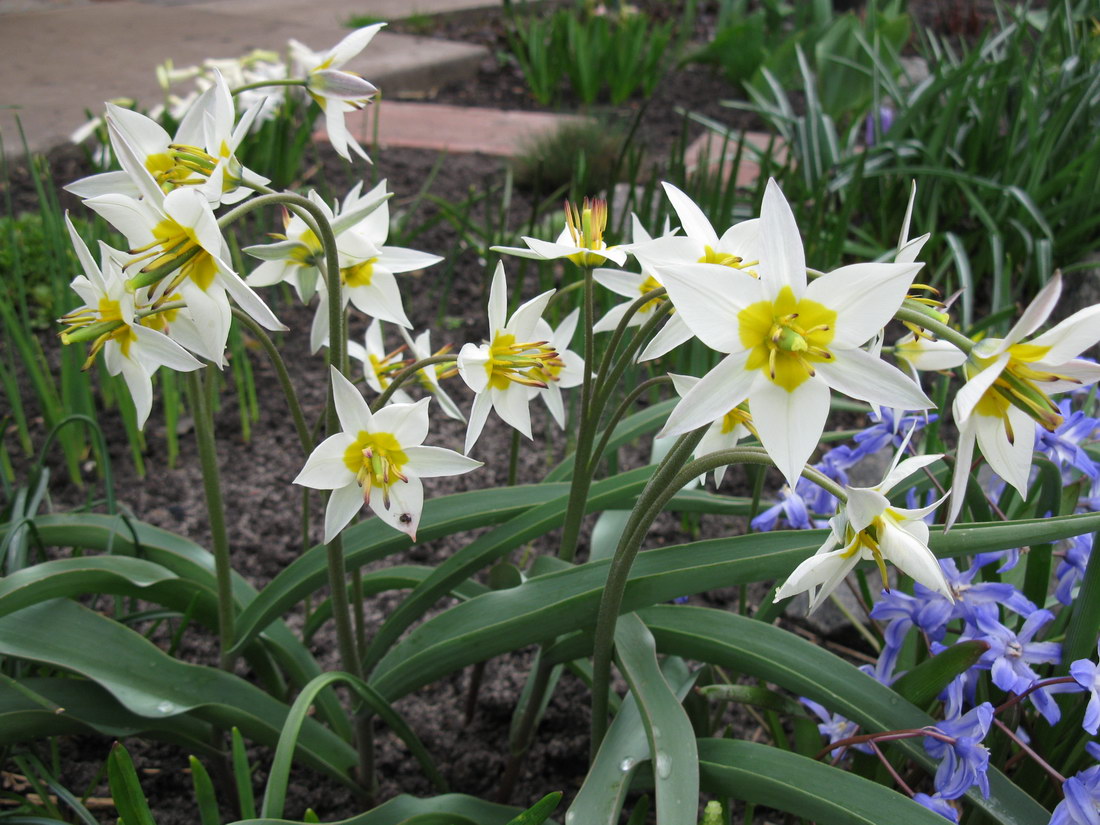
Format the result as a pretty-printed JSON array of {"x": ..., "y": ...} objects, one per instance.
[
  {"x": 610, "y": 321},
  {"x": 381, "y": 299},
  {"x": 692, "y": 219},
  {"x": 524, "y": 319},
  {"x": 325, "y": 468},
  {"x": 905, "y": 469},
  {"x": 160, "y": 350},
  {"x": 859, "y": 374},
  {"x": 973, "y": 390},
  {"x": 106, "y": 183},
  {"x": 431, "y": 462},
  {"x": 789, "y": 423},
  {"x": 351, "y": 408},
  {"x": 864, "y": 505},
  {"x": 478, "y": 414},
  {"x": 964, "y": 456},
  {"x": 710, "y": 298},
  {"x": 1037, "y": 311},
  {"x": 718, "y": 392},
  {"x": 140, "y": 385},
  {"x": 864, "y": 296},
  {"x": 337, "y": 85},
  {"x": 408, "y": 423},
  {"x": 668, "y": 337},
  {"x": 914, "y": 558},
  {"x": 498, "y": 300},
  {"x": 398, "y": 259},
  {"x": 1071, "y": 337},
  {"x": 352, "y": 44},
  {"x": 472, "y": 361},
  {"x": 551, "y": 395},
  {"x": 406, "y": 505},
  {"x": 1011, "y": 460},
  {"x": 783, "y": 261},
  {"x": 512, "y": 406},
  {"x": 343, "y": 504},
  {"x": 627, "y": 284}
]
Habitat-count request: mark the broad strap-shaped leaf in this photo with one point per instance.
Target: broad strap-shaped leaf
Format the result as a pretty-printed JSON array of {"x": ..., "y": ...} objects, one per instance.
[
  {"x": 927, "y": 680},
  {"x": 624, "y": 748},
  {"x": 402, "y": 808},
  {"x": 79, "y": 576},
  {"x": 807, "y": 788},
  {"x": 486, "y": 549},
  {"x": 148, "y": 682},
  {"x": 775, "y": 655},
  {"x": 88, "y": 708},
  {"x": 667, "y": 727},
  {"x": 371, "y": 540}
]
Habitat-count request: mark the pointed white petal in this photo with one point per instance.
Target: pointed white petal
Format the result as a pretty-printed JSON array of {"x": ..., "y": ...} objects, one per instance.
[
  {"x": 710, "y": 298},
  {"x": 512, "y": 406},
  {"x": 906, "y": 468},
  {"x": 431, "y": 462},
  {"x": 524, "y": 320},
  {"x": 105, "y": 183},
  {"x": 478, "y": 414},
  {"x": 1011, "y": 460},
  {"x": 692, "y": 219},
  {"x": 973, "y": 390},
  {"x": 351, "y": 408},
  {"x": 408, "y": 423},
  {"x": 864, "y": 296},
  {"x": 863, "y": 506},
  {"x": 140, "y": 385},
  {"x": 343, "y": 504},
  {"x": 913, "y": 557},
  {"x": 1071, "y": 337},
  {"x": 789, "y": 423},
  {"x": 1037, "y": 311},
  {"x": 158, "y": 349},
  {"x": 399, "y": 259},
  {"x": 406, "y": 505},
  {"x": 472, "y": 361},
  {"x": 783, "y": 261},
  {"x": 668, "y": 337},
  {"x": 859, "y": 374},
  {"x": 352, "y": 44},
  {"x": 325, "y": 468},
  {"x": 498, "y": 300},
  {"x": 718, "y": 392}
]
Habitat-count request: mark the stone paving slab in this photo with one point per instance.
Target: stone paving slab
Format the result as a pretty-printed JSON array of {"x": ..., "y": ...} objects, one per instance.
[
  {"x": 63, "y": 57},
  {"x": 444, "y": 128},
  {"x": 711, "y": 148}
]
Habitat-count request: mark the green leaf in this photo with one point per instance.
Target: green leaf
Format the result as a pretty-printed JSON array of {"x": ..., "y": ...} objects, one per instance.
[
  {"x": 668, "y": 729},
  {"x": 242, "y": 776},
  {"x": 786, "y": 781},
  {"x": 204, "y": 793},
  {"x": 88, "y": 708},
  {"x": 775, "y": 655},
  {"x": 78, "y": 577},
  {"x": 927, "y": 680},
  {"x": 371, "y": 540},
  {"x": 133, "y": 809},
  {"x": 402, "y": 808},
  {"x": 540, "y": 811},
  {"x": 147, "y": 682}
]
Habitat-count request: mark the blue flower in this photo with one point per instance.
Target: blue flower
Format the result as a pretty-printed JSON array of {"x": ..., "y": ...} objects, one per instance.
[
  {"x": 965, "y": 761},
  {"x": 1011, "y": 655},
  {"x": 938, "y": 804},
  {"x": 1063, "y": 446},
  {"x": 791, "y": 507},
  {"x": 888, "y": 429},
  {"x": 1087, "y": 675},
  {"x": 1071, "y": 569},
  {"x": 833, "y": 726},
  {"x": 1081, "y": 805}
]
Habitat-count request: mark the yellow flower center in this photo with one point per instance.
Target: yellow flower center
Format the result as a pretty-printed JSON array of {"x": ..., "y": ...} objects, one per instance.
[
  {"x": 648, "y": 285},
  {"x": 376, "y": 459},
  {"x": 1017, "y": 385},
  {"x": 531, "y": 364},
  {"x": 358, "y": 274},
  {"x": 738, "y": 416},
  {"x": 710, "y": 256},
  {"x": 787, "y": 337}
]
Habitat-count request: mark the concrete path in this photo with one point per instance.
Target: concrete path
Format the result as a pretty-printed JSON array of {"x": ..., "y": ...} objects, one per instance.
[{"x": 59, "y": 58}]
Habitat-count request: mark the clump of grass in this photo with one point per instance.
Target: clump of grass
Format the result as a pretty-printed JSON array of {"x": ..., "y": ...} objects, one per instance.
[{"x": 580, "y": 156}]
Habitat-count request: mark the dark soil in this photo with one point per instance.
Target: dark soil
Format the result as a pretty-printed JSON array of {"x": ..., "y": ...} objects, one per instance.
[{"x": 263, "y": 521}]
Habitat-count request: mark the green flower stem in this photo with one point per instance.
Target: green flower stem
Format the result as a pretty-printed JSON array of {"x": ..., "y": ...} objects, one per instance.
[
  {"x": 405, "y": 374},
  {"x": 617, "y": 574},
  {"x": 920, "y": 315},
  {"x": 261, "y": 84},
  {"x": 672, "y": 475},
  {"x": 610, "y": 378},
  {"x": 579, "y": 483},
  {"x": 281, "y": 373},
  {"x": 208, "y": 458},
  {"x": 617, "y": 416},
  {"x": 623, "y": 325}
]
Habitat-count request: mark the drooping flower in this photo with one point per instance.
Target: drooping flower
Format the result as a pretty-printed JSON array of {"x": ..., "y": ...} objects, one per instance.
[
  {"x": 502, "y": 370},
  {"x": 179, "y": 226},
  {"x": 421, "y": 347},
  {"x": 581, "y": 241},
  {"x": 1009, "y": 388},
  {"x": 868, "y": 527},
  {"x": 377, "y": 460},
  {"x": 131, "y": 346},
  {"x": 336, "y": 90},
  {"x": 1081, "y": 805},
  {"x": 378, "y": 364},
  {"x": 789, "y": 342},
  {"x": 964, "y": 762}
]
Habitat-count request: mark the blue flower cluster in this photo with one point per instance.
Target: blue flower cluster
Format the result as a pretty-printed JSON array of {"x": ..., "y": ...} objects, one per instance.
[{"x": 990, "y": 611}]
